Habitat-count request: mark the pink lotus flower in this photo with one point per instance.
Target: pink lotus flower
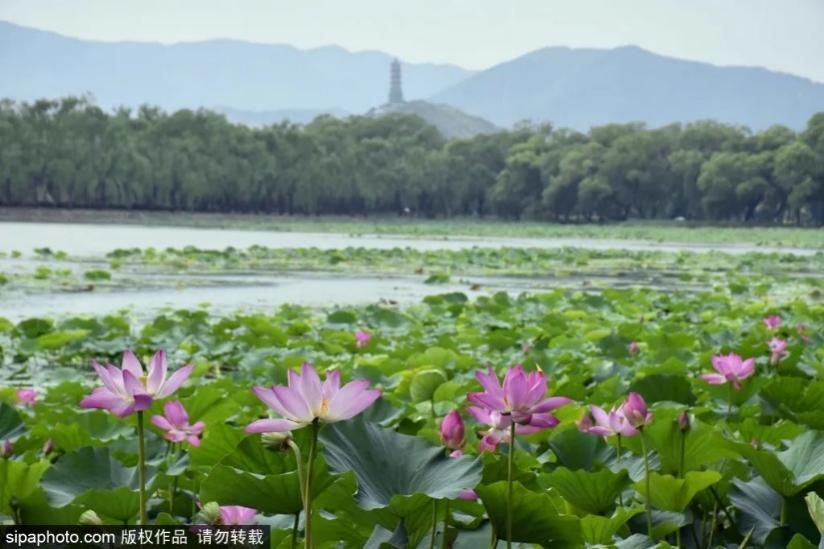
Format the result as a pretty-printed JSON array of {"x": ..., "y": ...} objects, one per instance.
[
  {"x": 128, "y": 389},
  {"x": 730, "y": 368},
  {"x": 27, "y": 396},
  {"x": 607, "y": 424},
  {"x": 452, "y": 431},
  {"x": 500, "y": 426},
  {"x": 634, "y": 348},
  {"x": 306, "y": 400},
  {"x": 772, "y": 322},
  {"x": 362, "y": 339},
  {"x": 175, "y": 422},
  {"x": 635, "y": 411},
  {"x": 236, "y": 515},
  {"x": 778, "y": 350},
  {"x": 6, "y": 450},
  {"x": 522, "y": 396}
]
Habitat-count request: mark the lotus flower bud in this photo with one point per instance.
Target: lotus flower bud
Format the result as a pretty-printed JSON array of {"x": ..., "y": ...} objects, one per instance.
[
  {"x": 452, "y": 431},
  {"x": 684, "y": 421},
  {"x": 90, "y": 518},
  {"x": 635, "y": 410},
  {"x": 48, "y": 447},
  {"x": 6, "y": 450},
  {"x": 633, "y": 348}
]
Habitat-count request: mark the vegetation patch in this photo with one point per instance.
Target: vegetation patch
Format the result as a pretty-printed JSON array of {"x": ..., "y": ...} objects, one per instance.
[{"x": 657, "y": 417}]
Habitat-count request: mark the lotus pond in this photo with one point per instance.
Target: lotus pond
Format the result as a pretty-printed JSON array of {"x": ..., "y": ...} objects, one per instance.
[
  {"x": 628, "y": 446},
  {"x": 49, "y": 282}
]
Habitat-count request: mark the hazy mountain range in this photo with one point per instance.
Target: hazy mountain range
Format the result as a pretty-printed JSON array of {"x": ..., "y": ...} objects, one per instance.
[
  {"x": 581, "y": 88},
  {"x": 215, "y": 73},
  {"x": 259, "y": 83}
]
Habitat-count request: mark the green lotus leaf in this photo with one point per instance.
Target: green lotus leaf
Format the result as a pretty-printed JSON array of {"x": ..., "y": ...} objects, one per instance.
[
  {"x": 425, "y": 383},
  {"x": 536, "y": 519},
  {"x": 664, "y": 387},
  {"x": 387, "y": 464},
  {"x": 93, "y": 478},
  {"x": 601, "y": 530},
  {"x": 11, "y": 424},
  {"x": 789, "y": 471},
  {"x": 674, "y": 494},
  {"x": 263, "y": 478},
  {"x": 758, "y": 507},
  {"x": 18, "y": 480},
  {"x": 593, "y": 492}
]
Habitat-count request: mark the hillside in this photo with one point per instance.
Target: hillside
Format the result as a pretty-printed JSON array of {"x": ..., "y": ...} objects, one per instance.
[
  {"x": 451, "y": 122},
  {"x": 214, "y": 73},
  {"x": 580, "y": 88}
]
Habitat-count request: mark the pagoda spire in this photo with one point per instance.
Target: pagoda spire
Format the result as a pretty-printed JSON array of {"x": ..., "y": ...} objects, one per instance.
[{"x": 395, "y": 90}]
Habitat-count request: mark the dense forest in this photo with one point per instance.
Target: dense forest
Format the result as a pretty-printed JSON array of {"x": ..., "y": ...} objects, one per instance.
[{"x": 71, "y": 153}]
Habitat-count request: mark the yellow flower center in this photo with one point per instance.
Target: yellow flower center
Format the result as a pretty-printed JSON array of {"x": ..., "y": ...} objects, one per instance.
[{"x": 324, "y": 407}]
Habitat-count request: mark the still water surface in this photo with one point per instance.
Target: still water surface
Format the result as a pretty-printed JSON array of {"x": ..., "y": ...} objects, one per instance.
[
  {"x": 151, "y": 293},
  {"x": 79, "y": 239}
]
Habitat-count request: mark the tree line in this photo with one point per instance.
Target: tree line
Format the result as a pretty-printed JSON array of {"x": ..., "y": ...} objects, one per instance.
[{"x": 71, "y": 153}]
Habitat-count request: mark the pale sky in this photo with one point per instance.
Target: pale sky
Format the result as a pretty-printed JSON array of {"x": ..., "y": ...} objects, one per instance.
[{"x": 783, "y": 35}]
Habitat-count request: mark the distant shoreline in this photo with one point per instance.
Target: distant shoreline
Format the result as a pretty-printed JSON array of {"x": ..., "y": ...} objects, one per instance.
[{"x": 660, "y": 231}]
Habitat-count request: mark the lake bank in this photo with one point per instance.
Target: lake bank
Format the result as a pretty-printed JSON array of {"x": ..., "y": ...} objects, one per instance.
[
  {"x": 80, "y": 239},
  {"x": 663, "y": 231}
]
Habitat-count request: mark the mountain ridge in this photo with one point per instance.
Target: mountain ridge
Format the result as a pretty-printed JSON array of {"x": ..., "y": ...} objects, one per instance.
[
  {"x": 569, "y": 87},
  {"x": 199, "y": 74},
  {"x": 585, "y": 87}
]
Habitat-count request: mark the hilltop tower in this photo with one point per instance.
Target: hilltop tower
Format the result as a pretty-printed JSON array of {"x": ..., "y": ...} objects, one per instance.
[{"x": 395, "y": 91}]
